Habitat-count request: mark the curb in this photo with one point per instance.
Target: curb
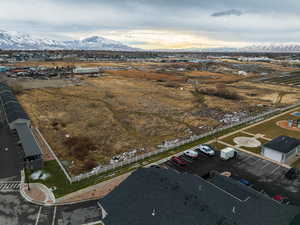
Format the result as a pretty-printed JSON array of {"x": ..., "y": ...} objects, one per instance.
[{"x": 29, "y": 199}]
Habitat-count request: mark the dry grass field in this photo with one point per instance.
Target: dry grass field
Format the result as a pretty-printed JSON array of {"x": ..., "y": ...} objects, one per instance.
[
  {"x": 124, "y": 110},
  {"x": 87, "y": 64}
]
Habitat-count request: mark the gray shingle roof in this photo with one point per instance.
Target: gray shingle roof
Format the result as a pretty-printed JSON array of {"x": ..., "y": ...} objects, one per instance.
[
  {"x": 29, "y": 144},
  {"x": 12, "y": 107},
  {"x": 283, "y": 144},
  {"x": 164, "y": 197}
]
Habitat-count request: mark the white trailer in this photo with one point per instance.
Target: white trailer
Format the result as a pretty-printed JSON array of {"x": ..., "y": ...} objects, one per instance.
[{"x": 228, "y": 153}]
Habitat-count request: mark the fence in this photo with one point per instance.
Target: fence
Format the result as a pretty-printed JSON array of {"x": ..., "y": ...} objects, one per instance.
[
  {"x": 253, "y": 119},
  {"x": 56, "y": 158}
]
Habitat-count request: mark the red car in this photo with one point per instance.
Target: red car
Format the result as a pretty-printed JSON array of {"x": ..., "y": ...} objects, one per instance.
[
  {"x": 179, "y": 161},
  {"x": 281, "y": 199}
]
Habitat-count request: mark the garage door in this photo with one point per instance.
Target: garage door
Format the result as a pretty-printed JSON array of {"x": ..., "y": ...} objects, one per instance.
[{"x": 273, "y": 154}]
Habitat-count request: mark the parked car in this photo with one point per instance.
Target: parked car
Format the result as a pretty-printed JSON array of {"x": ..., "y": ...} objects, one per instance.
[
  {"x": 245, "y": 182},
  {"x": 155, "y": 166},
  {"x": 281, "y": 199},
  {"x": 178, "y": 161},
  {"x": 206, "y": 149},
  {"x": 191, "y": 154}
]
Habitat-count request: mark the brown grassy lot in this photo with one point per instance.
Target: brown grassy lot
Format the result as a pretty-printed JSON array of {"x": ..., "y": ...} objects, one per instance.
[
  {"x": 86, "y": 64},
  {"x": 110, "y": 115},
  {"x": 269, "y": 93},
  {"x": 126, "y": 110}
]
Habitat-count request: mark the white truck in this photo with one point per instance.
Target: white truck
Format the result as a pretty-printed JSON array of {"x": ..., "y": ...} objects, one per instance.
[{"x": 228, "y": 153}]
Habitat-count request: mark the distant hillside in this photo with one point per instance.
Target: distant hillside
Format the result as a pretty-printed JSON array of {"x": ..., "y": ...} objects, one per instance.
[{"x": 20, "y": 41}]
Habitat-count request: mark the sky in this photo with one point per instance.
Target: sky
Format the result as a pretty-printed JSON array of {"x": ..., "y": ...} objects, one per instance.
[{"x": 158, "y": 24}]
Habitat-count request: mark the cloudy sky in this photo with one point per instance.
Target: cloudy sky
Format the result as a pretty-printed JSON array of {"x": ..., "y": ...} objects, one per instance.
[{"x": 158, "y": 24}]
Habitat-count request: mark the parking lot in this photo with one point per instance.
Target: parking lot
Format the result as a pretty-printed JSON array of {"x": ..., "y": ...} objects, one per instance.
[
  {"x": 11, "y": 154},
  {"x": 264, "y": 176}
]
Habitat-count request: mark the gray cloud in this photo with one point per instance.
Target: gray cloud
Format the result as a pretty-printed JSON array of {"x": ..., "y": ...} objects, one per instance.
[
  {"x": 230, "y": 12},
  {"x": 267, "y": 20}
]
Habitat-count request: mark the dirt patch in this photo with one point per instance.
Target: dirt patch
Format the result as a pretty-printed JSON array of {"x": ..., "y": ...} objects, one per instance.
[
  {"x": 284, "y": 124},
  {"x": 96, "y": 192}
]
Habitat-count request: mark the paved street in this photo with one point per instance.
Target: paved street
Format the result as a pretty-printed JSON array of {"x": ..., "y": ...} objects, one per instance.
[
  {"x": 11, "y": 155},
  {"x": 9, "y": 187},
  {"x": 14, "y": 210}
]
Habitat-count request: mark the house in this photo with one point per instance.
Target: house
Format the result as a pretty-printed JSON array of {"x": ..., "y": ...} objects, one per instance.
[
  {"x": 12, "y": 108},
  {"x": 158, "y": 196},
  {"x": 18, "y": 121},
  {"x": 281, "y": 149},
  {"x": 86, "y": 70},
  {"x": 32, "y": 152}
]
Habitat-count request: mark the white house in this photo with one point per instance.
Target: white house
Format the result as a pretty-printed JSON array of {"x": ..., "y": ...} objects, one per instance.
[
  {"x": 85, "y": 70},
  {"x": 281, "y": 149}
]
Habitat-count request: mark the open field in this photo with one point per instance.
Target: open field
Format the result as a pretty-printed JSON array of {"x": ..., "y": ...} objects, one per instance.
[
  {"x": 87, "y": 64},
  {"x": 276, "y": 94},
  {"x": 130, "y": 110},
  {"x": 134, "y": 113},
  {"x": 290, "y": 79}
]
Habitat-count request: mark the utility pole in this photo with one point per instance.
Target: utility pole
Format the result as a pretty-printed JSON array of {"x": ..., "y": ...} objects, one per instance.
[{"x": 27, "y": 178}]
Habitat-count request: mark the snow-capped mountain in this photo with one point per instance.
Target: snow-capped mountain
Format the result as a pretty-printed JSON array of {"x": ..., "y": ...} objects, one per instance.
[
  {"x": 250, "y": 48},
  {"x": 15, "y": 40},
  {"x": 272, "y": 48},
  {"x": 97, "y": 43},
  {"x": 19, "y": 41}
]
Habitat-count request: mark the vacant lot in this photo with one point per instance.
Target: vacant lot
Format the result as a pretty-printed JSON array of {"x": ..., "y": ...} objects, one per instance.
[
  {"x": 125, "y": 110},
  {"x": 273, "y": 93}
]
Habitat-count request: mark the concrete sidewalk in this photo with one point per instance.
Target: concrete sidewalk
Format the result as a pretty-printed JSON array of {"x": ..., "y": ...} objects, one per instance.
[{"x": 37, "y": 194}]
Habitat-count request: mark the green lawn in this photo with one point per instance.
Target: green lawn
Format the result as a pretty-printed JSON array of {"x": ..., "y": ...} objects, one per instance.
[
  {"x": 271, "y": 130},
  {"x": 254, "y": 150},
  {"x": 218, "y": 146},
  {"x": 230, "y": 138}
]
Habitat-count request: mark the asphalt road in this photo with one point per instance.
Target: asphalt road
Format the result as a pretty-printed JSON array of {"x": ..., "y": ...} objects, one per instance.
[
  {"x": 14, "y": 210},
  {"x": 11, "y": 160}
]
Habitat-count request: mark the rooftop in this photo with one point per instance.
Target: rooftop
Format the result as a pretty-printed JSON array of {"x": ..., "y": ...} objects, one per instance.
[
  {"x": 153, "y": 196},
  {"x": 28, "y": 141},
  {"x": 283, "y": 144}
]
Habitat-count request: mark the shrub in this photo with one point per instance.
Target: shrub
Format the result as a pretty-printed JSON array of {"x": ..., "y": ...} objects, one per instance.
[
  {"x": 17, "y": 88},
  {"x": 220, "y": 91},
  {"x": 199, "y": 97},
  {"x": 172, "y": 85},
  {"x": 79, "y": 147},
  {"x": 90, "y": 164}
]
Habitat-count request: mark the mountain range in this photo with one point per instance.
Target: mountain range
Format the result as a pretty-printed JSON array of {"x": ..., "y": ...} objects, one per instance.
[{"x": 19, "y": 41}]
